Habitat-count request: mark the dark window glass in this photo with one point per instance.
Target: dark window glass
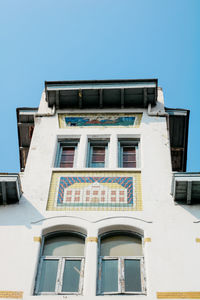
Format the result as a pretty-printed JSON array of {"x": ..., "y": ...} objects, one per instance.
[
  {"x": 109, "y": 276},
  {"x": 98, "y": 156},
  {"x": 67, "y": 157},
  {"x": 48, "y": 275},
  {"x": 129, "y": 157},
  {"x": 132, "y": 275},
  {"x": 71, "y": 276}
]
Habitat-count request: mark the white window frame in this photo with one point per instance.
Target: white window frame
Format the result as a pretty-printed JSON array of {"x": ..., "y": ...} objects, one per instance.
[
  {"x": 121, "y": 272},
  {"x": 97, "y": 143},
  {"x": 66, "y": 143},
  {"x": 127, "y": 142},
  {"x": 60, "y": 270}
]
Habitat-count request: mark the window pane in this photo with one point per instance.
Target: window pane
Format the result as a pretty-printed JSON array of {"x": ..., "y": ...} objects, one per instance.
[
  {"x": 67, "y": 157},
  {"x": 98, "y": 154},
  {"x": 129, "y": 157},
  {"x": 121, "y": 245},
  {"x": 71, "y": 276},
  {"x": 64, "y": 246},
  {"x": 132, "y": 275},
  {"x": 48, "y": 276},
  {"x": 109, "y": 276}
]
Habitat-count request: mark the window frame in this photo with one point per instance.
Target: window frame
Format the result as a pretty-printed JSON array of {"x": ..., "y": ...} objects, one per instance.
[
  {"x": 61, "y": 143},
  {"x": 97, "y": 143},
  {"x": 127, "y": 142},
  {"x": 61, "y": 265},
  {"x": 121, "y": 268}
]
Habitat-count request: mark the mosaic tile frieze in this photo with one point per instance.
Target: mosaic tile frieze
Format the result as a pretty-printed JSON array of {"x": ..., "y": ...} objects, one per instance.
[
  {"x": 95, "y": 191},
  {"x": 98, "y": 120}
]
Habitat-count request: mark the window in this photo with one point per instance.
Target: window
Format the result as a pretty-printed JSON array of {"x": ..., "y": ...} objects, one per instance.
[
  {"x": 61, "y": 264},
  {"x": 66, "y": 153},
  {"x": 128, "y": 153},
  {"x": 97, "y": 153},
  {"x": 120, "y": 264}
]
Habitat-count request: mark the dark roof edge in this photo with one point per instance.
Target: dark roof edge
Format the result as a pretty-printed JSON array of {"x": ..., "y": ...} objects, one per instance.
[
  {"x": 182, "y": 109},
  {"x": 102, "y": 81},
  {"x": 5, "y": 174},
  {"x": 186, "y": 139}
]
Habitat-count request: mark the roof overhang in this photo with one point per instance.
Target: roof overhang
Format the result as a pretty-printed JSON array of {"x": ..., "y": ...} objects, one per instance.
[
  {"x": 186, "y": 187},
  {"x": 178, "y": 131},
  {"x": 101, "y": 93},
  {"x": 10, "y": 188},
  {"x": 25, "y": 126}
]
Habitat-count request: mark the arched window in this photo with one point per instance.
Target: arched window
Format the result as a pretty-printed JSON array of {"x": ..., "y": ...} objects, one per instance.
[
  {"x": 61, "y": 264},
  {"x": 120, "y": 264}
]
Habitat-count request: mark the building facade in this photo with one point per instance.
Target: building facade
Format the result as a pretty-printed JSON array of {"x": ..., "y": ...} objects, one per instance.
[{"x": 103, "y": 206}]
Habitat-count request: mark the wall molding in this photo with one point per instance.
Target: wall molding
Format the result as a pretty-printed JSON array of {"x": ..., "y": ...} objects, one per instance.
[{"x": 178, "y": 295}]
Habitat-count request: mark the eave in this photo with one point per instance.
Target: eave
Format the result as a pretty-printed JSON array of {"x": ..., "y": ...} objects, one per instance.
[
  {"x": 101, "y": 93},
  {"x": 25, "y": 127},
  {"x": 178, "y": 132}
]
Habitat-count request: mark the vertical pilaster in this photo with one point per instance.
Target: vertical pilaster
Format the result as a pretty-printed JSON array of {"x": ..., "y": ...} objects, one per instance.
[
  {"x": 91, "y": 248},
  {"x": 113, "y": 153}
]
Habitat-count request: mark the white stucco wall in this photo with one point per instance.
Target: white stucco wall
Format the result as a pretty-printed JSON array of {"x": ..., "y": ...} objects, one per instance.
[{"x": 171, "y": 258}]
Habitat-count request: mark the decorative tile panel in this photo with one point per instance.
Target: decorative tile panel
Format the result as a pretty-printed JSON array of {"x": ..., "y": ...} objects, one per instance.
[
  {"x": 95, "y": 191},
  {"x": 99, "y": 120}
]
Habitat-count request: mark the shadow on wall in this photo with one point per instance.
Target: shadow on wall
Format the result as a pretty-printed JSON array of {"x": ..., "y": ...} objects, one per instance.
[
  {"x": 20, "y": 214},
  {"x": 192, "y": 209}
]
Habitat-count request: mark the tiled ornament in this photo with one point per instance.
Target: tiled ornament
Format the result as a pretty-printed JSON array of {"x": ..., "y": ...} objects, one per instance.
[
  {"x": 98, "y": 120},
  {"x": 95, "y": 192}
]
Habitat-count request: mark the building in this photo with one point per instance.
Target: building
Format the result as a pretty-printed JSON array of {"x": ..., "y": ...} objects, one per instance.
[{"x": 103, "y": 206}]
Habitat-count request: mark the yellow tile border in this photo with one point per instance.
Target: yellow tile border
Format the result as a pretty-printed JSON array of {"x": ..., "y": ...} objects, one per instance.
[
  {"x": 11, "y": 294},
  {"x": 92, "y": 239},
  {"x": 37, "y": 239},
  {"x": 178, "y": 295},
  {"x": 198, "y": 240},
  {"x": 147, "y": 240}
]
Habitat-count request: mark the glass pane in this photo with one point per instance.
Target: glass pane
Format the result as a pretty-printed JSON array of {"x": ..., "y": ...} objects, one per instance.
[
  {"x": 98, "y": 154},
  {"x": 129, "y": 164},
  {"x": 66, "y": 165},
  {"x": 67, "y": 157},
  {"x": 48, "y": 276},
  {"x": 64, "y": 245},
  {"x": 71, "y": 276},
  {"x": 132, "y": 275},
  {"x": 129, "y": 157},
  {"x": 97, "y": 165},
  {"x": 109, "y": 276},
  {"x": 121, "y": 245}
]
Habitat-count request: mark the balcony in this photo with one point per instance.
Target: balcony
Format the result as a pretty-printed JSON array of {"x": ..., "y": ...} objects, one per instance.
[
  {"x": 186, "y": 187},
  {"x": 10, "y": 188}
]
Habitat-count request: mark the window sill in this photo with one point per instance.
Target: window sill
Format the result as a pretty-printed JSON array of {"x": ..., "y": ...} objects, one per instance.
[{"x": 96, "y": 169}]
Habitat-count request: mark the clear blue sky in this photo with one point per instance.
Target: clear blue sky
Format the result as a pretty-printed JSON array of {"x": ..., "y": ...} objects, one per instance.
[{"x": 97, "y": 39}]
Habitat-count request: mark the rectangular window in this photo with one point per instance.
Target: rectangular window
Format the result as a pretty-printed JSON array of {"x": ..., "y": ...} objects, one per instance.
[
  {"x": 97, "y": 153},
  {"x": 128, "y": 154},
  {"x": 60, "y": 275},
  {"x": 66, "y": 153},
  {"x": 120, "y": 275}
]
